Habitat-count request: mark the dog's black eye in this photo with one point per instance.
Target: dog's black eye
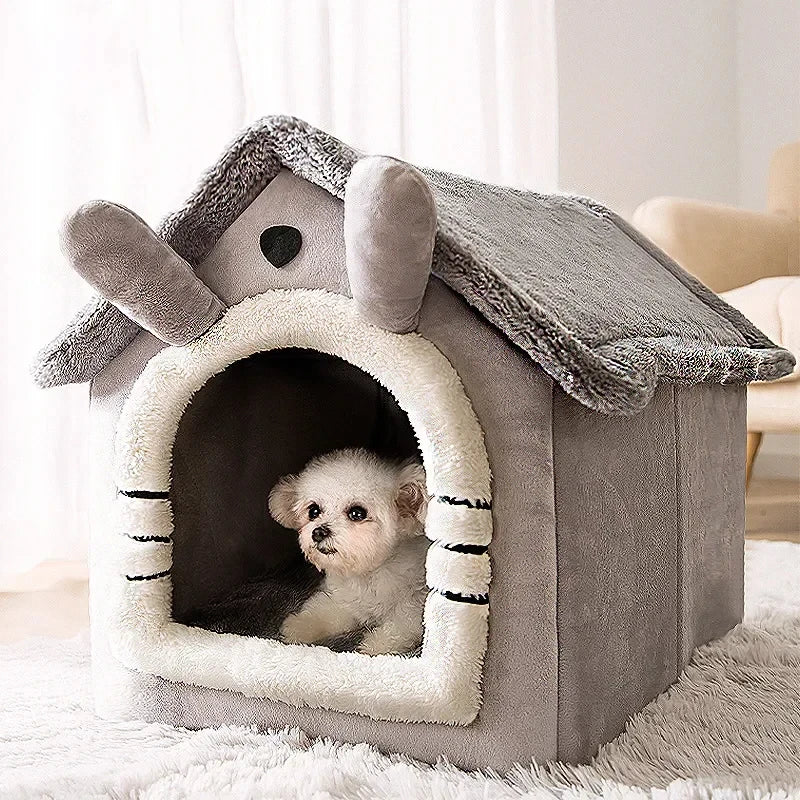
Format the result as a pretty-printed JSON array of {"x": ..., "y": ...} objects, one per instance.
[
  {"x": 357, "y": 513},
  {"x": 280, "y": 244},
  {"x": 314, "y": 511}
]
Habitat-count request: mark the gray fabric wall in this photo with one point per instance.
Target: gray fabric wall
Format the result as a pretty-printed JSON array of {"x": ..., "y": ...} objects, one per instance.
[
  {"x": 617, "y": 564},
  {"x": 649, "y": 526},
  {"x": 710, "y": 435}
]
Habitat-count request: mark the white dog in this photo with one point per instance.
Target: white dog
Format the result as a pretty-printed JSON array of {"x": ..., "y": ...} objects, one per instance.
[{"x": 360, "y": 521}]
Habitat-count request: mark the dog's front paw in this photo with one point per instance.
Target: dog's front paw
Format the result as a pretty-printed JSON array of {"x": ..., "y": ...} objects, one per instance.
[
  {"x": 373, "y": 647},
  {"x": 300, "y": 629},
  {"x": 398, "y": 635},
  {"x": 378, "y": 642}
]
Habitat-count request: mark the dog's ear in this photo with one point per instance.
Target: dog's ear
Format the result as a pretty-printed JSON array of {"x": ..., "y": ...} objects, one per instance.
[
  {"x": 283, "y": 502},
  {"x": 412, "y": 494}
]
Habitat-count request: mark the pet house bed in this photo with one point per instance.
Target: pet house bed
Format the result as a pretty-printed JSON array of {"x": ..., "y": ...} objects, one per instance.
[{"x": 578, "y": 401}]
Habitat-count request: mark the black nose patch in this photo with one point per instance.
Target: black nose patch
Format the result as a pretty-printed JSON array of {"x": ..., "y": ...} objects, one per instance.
[{"x": 280, "y": 244}]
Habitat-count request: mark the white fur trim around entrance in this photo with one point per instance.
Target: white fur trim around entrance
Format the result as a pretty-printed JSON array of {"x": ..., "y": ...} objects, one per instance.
[{"x": 443, "y": 683}]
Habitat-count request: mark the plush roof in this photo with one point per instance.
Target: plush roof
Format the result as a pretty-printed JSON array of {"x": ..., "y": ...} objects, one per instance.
[{"x": 600, "y": 308}]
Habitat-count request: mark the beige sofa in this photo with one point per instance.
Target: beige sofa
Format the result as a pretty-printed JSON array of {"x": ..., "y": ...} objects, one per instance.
[{"x": 753, "y": 259}]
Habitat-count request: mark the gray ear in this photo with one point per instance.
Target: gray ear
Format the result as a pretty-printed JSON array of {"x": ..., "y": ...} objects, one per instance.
[
  {"x": 389, "y": 230},
  {"x": 116, "y": 252}
]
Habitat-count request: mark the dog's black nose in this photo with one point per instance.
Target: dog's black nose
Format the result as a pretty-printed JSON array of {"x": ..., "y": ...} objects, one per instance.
[{"x": 320, "y": 533}]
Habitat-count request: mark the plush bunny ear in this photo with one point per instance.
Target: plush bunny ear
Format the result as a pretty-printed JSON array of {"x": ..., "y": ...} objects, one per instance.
[
  {"x": 116, "y": 252},
  {"x": 389, "y": 230}
]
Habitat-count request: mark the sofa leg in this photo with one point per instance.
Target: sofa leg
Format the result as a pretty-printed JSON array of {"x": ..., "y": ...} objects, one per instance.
[{"x": 753, "y": 443}]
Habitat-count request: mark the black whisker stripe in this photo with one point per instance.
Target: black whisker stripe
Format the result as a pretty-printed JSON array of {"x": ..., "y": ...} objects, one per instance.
[
  {"x": 479, "y": 504},
  {"x": 144, "y": 494},
  {"x": 164, "y": 539},
  {"x": 470, "y": 549},
  {"x": 474, "y": 599},
  {"x": 148, "y": 577}
]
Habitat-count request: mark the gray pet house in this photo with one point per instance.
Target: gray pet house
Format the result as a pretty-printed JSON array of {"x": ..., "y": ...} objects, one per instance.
[{"x": 578, "y": 401}]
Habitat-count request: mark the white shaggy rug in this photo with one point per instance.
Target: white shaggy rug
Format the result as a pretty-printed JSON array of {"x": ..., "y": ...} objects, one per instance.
[{"x": 729, "y": 728}]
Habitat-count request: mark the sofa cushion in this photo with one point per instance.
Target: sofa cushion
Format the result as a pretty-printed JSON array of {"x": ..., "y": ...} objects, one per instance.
[{"x": 773, "y": 305}]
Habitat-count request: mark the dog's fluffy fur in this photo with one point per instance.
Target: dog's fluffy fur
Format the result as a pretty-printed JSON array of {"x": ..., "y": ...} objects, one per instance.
[{"x": 374, "y": 567}]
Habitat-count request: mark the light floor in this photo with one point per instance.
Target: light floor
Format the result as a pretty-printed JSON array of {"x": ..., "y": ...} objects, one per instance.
[
  {"x": 52, "y": 599},
  {"x": 773, "y": 510}
]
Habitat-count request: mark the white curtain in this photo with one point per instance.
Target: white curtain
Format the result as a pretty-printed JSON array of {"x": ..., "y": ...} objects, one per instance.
[{"x": 131, "y": 101}]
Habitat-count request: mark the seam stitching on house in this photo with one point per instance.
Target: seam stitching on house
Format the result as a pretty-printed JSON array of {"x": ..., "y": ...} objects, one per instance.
[
  {"x": 678, "y": 536},
  {"x": 557, "y": 595}
]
